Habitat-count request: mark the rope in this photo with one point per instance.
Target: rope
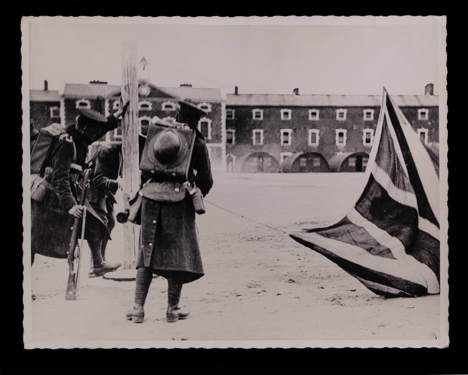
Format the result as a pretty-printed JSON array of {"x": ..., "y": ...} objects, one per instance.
[{"x": 246, "y": 217}]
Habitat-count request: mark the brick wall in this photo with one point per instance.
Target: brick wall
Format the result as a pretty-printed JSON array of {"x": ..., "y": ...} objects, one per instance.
[
  {"x": 40, "y": 113},
  {"x": 327, "y": 124}
]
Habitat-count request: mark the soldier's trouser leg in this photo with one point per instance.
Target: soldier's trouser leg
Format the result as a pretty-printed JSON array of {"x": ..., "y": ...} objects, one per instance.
[
  {"x": 174, "y": 291},
  {"x": 95, "y": 247},
  {"x": 144, "y": 277},
  {"x": 103, "y": 249}
]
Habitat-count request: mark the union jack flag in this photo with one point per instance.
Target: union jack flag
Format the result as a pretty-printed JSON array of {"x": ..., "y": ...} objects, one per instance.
[{"x": 389, "y": 240}]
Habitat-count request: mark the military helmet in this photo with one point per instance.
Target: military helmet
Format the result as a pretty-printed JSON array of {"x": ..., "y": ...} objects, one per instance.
[{"x": 166, "y": 146}]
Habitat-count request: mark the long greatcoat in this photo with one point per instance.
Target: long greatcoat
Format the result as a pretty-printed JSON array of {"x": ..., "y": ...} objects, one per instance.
[
  {"x": 106, "y": 160},
  {"x": 168, "y": 238},
  {"x": 50, "y": 222}
]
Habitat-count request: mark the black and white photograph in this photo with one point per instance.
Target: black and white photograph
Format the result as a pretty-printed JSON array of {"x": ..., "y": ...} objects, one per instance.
[{"x": 235, "y": 182}]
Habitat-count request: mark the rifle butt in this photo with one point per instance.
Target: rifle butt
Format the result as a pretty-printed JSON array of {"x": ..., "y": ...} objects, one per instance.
[{"x": 70, "y": 293}]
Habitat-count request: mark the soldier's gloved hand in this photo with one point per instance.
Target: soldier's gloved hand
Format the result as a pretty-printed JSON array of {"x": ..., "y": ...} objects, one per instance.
[{"x": 76, "y": 211}]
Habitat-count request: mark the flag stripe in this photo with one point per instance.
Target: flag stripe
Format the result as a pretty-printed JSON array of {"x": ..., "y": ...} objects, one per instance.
[
  {"x": 394, "y": 267},
  {"x": 426, "y": 250},
  {"x": 426, "y": 226},
  {"x": 422, "y": 160},
  {"x": 353, "y": 234},
  {"x": 396, "y": 219},
  {"x": 366, "y": 270},
  {"x": 380, "y": 235},
  {"x": 398, "y": 250},
  {"x": 386, "y": 160},
  {"x": 382, "y": 289},
  {"x": 425, "y": 209},
  {"x": 401, "y": 196}
]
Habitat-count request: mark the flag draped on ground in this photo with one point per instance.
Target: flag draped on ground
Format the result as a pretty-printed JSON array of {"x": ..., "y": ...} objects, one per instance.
[{"x": 390, "y": 239}]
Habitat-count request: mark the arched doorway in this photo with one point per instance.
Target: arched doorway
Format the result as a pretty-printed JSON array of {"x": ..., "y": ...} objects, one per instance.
[
  {"x": 349, "y": 162},
  {"x": 305, "y": 162},
  {"x": 258, "y": 162}
]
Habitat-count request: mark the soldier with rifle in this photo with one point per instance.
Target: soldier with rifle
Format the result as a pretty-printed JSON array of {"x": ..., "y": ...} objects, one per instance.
[
  {"x": 176, "y": 172},
  {"x": 54, "y": 210}
]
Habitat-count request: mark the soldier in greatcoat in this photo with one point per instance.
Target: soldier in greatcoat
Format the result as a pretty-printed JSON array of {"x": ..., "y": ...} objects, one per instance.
[
  {"x": 53, "y": 215},
  {"x": 168, "y": 243},
  {"x": 106, "y": 163}
]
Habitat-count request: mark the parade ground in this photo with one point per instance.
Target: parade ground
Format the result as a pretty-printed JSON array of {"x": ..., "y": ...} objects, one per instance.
[{"x": 259, "y": 284}]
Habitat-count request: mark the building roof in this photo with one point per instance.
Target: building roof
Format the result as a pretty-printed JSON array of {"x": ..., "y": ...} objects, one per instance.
[
  {"x": 44, "y": 96},
  {"x": 86, "y": 90},
  {"x": 210, "y": 94},
  {"x": 291, "y": 100}
]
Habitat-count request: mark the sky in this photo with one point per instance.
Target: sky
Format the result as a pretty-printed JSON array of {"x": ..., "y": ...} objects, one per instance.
[{"x": 317, "y": 55}]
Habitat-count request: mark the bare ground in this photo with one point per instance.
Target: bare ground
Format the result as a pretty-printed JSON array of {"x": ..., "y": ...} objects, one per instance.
[{"x": 259, "y": 284}]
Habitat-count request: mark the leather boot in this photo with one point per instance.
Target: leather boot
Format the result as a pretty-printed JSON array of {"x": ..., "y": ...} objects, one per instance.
[
  {"x": 105, "y": 267},
  {"x": 100, "y": 267},
  {"x": 143, "y": 280},
  {"x": 174, "y": 312},
  {"x": 136, "y": 314}
]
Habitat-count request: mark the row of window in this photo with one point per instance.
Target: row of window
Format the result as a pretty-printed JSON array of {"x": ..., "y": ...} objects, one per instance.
[
  {"x": 314, "y": 137},
  {"x": 314, "y": 114},
  {"x": 143, "y": 105}
]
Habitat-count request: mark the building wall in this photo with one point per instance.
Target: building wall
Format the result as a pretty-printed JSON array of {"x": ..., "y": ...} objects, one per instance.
[
  {"x": 432, "y": 124},
  {"x": 327, "y": 124},
  {"x": 40, "y": 114},
  {"x": 71, "y": 111}
]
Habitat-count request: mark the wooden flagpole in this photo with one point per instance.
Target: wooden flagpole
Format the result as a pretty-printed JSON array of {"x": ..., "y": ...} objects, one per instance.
[{"x": 130, "y": 167}]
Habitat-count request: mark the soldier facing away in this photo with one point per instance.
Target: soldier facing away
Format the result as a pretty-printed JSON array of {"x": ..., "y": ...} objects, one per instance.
[{"x": 168, "y": 243}]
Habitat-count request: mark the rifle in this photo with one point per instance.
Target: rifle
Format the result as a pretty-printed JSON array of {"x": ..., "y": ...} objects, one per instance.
[{"x": 75, "y": 247}]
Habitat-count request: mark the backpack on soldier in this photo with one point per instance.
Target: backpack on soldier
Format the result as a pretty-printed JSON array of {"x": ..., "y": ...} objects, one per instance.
[
  {"x": 43, "y": 146},
  {"x": 42, "y": 151},
  {"x": 166, "y": 160}
]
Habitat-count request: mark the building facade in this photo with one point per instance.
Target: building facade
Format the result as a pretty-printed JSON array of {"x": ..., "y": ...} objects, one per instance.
[
  {"x": 314, "y": 133},
  {"x": 154, "y": 102},
  {"x": 44, "y": 107},
  {"x": 255, "y": 132}
]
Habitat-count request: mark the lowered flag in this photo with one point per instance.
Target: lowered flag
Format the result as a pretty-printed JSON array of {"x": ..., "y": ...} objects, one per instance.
[{"x": 390, "y": 239}]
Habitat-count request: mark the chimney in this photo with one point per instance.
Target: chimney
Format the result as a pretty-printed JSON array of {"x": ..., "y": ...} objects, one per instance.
[
  {"x": 185, "y": 85},
  {"x": 46, "y": 85},
  {"x": 429, "y": 89},
  {"x": 236, "y": 90},
  {"x": 296, "y": 91}
]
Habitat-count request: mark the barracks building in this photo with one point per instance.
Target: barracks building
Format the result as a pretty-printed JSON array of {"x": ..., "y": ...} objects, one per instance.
[
  {"x": 255, "y": 132},
  {"x": 314, "y": 133}
]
